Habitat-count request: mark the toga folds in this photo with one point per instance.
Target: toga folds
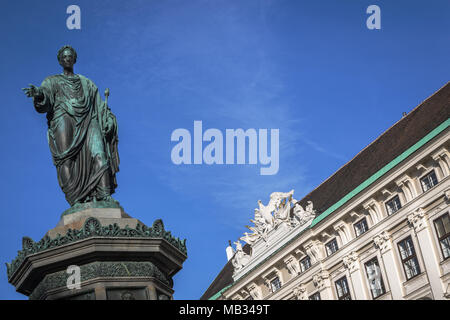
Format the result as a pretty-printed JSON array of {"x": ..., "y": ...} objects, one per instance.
[{"x": 82, "y": 136}]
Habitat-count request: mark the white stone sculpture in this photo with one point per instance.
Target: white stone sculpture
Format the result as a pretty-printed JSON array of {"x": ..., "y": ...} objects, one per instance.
[{"x": 240, "y": 258}]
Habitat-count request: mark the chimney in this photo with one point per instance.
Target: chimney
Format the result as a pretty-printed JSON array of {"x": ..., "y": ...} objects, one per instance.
[{"x": 230, "y": 251}]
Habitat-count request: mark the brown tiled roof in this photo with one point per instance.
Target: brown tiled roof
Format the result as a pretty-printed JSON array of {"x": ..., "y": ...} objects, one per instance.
[{"x": 393, "y": 142}]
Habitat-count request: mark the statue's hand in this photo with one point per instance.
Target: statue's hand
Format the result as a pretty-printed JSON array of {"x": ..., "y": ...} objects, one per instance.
[{"x": 32, "y": 91}]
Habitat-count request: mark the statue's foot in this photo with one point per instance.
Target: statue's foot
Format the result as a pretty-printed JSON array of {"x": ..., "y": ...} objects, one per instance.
[{"x": 108, "y": 199}]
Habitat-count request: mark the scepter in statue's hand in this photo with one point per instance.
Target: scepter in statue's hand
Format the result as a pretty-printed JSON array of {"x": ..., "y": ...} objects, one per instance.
[
  {"x": 33, "y": 92},
  {"x": 106, "y": 95}
]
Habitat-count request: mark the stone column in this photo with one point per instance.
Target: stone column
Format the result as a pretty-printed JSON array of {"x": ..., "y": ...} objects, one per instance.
[
  {"x": 419, "y": 221},
  {"x": 351, "y": 262},
  {"x": 384, "y": 243}
]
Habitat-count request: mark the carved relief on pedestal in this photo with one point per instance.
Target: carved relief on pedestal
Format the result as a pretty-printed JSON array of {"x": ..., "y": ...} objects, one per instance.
[
  {"x": 300, "y": 292},
  {"x": 351, "y": 261},
  {"x": 383, "y": 241},
  {"x": 418, "y": 219}
]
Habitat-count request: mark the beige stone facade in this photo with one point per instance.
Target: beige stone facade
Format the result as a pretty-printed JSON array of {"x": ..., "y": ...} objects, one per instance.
[
  {"x": 415, "y": 220},
  {"x": 391, "y": 239}
]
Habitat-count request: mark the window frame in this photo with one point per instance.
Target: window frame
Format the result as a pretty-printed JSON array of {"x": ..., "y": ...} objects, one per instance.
[
  {"x": 383, "y": 286},
  {"x": 317, "y": 294},
  {"x": 272, "y": 286},
  {"x": 358, "y": 222},
  {"x": 426, "y": 176},
  {"x": 327, "y": 246},
  {"x": 411, "y": 257},
  {"x": 390, "y": 200},
  {"x": 345, "y": 295},
  {"x": 444, "y": 237},
  {"x": 306, "y": 258}
]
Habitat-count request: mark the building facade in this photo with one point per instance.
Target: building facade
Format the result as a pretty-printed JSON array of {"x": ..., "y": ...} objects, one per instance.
[{"x": 381, "y": 229}]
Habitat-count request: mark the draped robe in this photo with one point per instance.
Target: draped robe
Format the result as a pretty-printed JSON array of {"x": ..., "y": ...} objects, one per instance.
[{"x": 84, "y": 151}]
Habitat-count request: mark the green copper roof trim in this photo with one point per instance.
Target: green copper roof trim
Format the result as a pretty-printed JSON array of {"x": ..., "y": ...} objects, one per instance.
[
  {"x": 355, "y": 191},
  {"x": 382, "y": 171},
  {"x": 218, "y": 294}
]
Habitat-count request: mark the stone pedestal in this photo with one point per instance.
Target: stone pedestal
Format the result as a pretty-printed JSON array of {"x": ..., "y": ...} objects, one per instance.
[{"x": 99, "y": 254}]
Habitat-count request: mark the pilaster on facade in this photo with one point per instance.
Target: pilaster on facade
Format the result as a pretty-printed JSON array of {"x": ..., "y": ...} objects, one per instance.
[
  {"x": 351, "y": 262},
  {"x": 374, "y": 209},
  {"x": 442, "y": 157},
  {"x": 419, "y": 220},
  {"x": 406, "y": 184}
]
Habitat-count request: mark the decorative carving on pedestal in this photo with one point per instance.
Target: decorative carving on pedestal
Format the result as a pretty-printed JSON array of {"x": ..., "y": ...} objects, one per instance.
[
  {"x": 320, "y": 278},
  {"x": 300, "y": 292},
  {"x": 143, "y": 258},
  {"x": 91, "y": 228},
  {"x": 418, "y": 219},
  {"x": 351, "y": 261}
]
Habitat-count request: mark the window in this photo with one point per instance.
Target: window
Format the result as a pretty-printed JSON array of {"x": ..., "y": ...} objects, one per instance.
[
  {"x": 275, "y": 284},
  {"x": 376, "y": 283},
  {"x": 305, "y": 264},
  {"x": 429, "y": 181},
  {"x": 315, "y": 296},
  {"x": 361, "y": 227},
  {"x": 332, "y": 247},
  {"x": 442, "y": 225},
  {"x": 409, "y": 258},
  {"x": 393, "y": 205},
  {"x": 342, "y": 289}
]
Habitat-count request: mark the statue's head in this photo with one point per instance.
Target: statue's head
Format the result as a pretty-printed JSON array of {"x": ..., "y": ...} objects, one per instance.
[{"x": 67, "y": 56}]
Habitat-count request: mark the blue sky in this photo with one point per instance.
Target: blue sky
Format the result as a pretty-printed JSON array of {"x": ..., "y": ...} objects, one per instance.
[{"x": 311, "y": 69}]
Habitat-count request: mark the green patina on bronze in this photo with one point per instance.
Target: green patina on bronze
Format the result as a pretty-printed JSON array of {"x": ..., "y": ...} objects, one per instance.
[
  {"x": 91, "y": 205},
  {"x": 101, "y": 269},
  {"x": 93, "y": 228},
  {"x": 82, "y": 132}
]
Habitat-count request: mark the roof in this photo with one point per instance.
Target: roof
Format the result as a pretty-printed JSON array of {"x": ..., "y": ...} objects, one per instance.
[{"x": 393, "y": 142}]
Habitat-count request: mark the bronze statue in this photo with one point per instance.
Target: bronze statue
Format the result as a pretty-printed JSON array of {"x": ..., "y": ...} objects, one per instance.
[{"x": 82, "y": 132}]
